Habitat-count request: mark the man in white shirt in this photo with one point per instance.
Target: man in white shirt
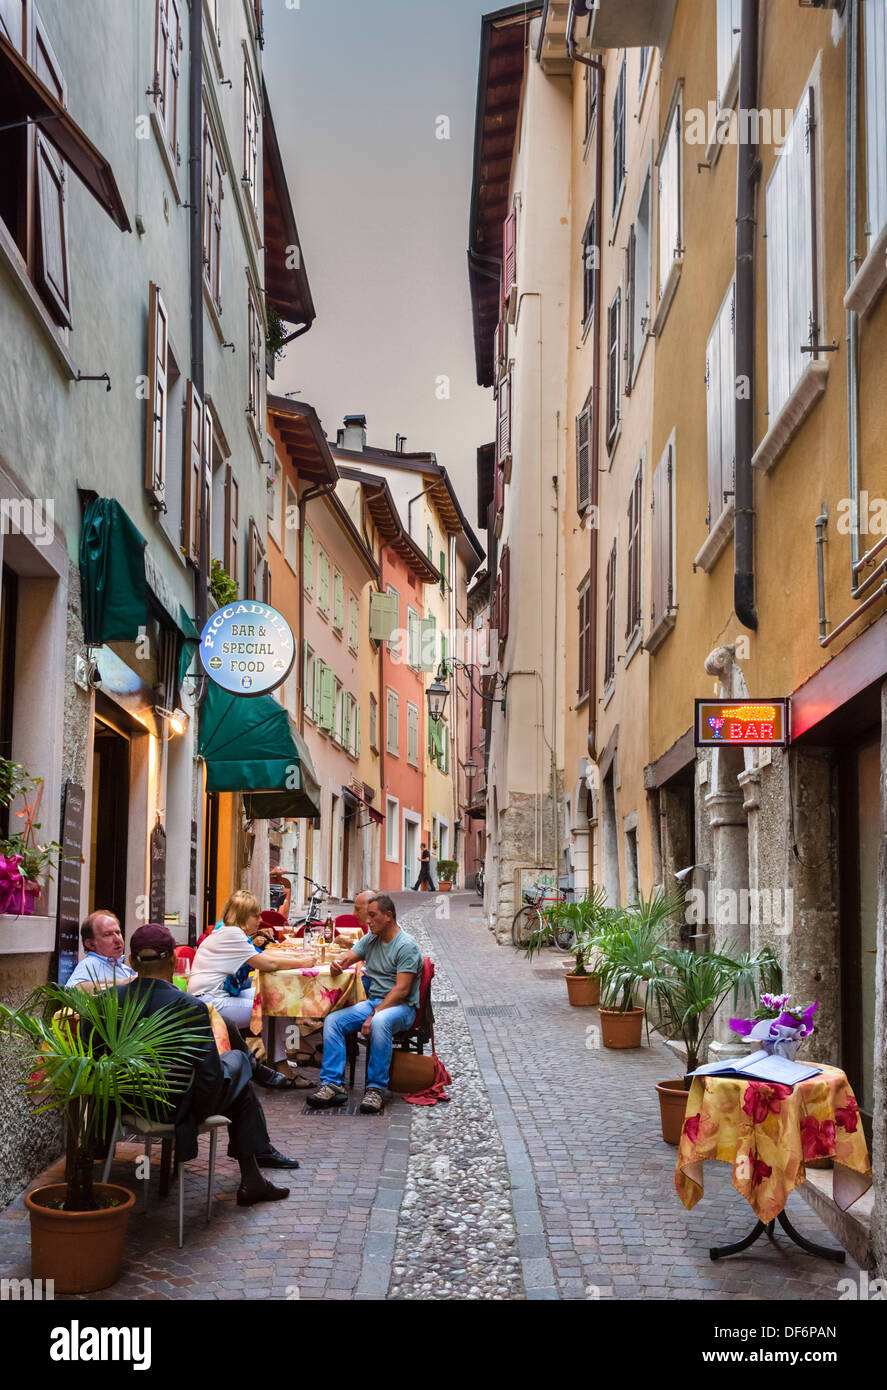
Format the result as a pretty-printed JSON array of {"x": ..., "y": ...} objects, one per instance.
[{"x": 104, "y": 962}]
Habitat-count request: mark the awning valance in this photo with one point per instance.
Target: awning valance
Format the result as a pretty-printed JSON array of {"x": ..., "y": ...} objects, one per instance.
[
  {"x": 351, "y": 795},
  {"x": 253, "y": 746}
]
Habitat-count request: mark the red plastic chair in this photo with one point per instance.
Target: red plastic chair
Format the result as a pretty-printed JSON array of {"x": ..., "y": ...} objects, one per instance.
[
  {"x": 412, "y": 1039},
  {"x": 348, "y": 919},
  {"x": 185, "y": 953}
]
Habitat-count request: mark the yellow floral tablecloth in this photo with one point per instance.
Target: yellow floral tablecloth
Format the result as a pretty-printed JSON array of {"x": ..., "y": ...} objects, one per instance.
[
  {"x": 308, "y": 993},
  {"x": 767, "y": 1131}
]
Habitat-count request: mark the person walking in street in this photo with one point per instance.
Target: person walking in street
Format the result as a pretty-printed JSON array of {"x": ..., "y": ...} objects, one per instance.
[
  {"x": 392, "y": 974},
  {"x": 424, "y": 880}
]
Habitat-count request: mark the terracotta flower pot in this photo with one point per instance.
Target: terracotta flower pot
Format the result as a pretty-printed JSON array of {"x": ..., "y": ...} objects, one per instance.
[
  {"x": 672, "y": 1105},
  {"x": 584, "y": 990},
  {"x": 82, "y": 1251},
  {"x": 621, "y": 1029},
  {"x": 445, "y": 886}
]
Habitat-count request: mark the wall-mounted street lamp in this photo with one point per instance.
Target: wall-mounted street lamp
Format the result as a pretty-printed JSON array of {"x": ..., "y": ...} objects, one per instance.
[{"x": 438, "y": 691}]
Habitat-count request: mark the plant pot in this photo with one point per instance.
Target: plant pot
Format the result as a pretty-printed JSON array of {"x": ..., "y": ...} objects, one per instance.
[
  {"x": 621, "y": 1029},
  {"x": 82, "y": 1251},
  {"x": 445, "y": 886},
  {"x": 584, "y": 990},
  {"x": 672, "y": 1105}
]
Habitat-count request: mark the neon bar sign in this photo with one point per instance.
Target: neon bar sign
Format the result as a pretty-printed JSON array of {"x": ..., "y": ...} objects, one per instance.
[{"x": 742, "y": 723}]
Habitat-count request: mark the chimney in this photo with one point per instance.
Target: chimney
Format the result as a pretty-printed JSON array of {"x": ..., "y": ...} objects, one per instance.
[
  {"x": 340, "y": 439},
  {"x": 355, "y": 432},
  {"x": 399, "y": 441}
]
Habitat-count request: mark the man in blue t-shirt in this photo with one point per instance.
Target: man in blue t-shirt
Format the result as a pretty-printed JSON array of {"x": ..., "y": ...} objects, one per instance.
[{"x": 392, "y": 974}]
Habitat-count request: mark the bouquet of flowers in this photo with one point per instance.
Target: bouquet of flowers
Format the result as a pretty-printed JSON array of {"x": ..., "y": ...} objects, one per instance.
[{"x": 778, "y": 1028}]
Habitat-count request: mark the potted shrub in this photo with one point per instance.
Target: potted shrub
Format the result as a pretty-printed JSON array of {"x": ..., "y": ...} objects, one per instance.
[
  {"x": 92, "y": 1058},
  {"x": 684, "y": 996},
  {"x": 628, "y": 950},
  {"x": 446, "y": 874},
  {"x": 574, "y": 927}
]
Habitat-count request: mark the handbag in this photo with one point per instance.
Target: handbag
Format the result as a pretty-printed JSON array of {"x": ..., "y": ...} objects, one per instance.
[{"x": 412, "y": 1071}]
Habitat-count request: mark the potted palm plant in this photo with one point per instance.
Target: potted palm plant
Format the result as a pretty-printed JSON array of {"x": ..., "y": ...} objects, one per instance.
[
  {"x": 573, "y": 927},
  {"x": 92, "y": 1057},
  {"x": 629, "y": 949},
  {"x": 446, "y": 873},
  {"x": 683, "y": 999}
]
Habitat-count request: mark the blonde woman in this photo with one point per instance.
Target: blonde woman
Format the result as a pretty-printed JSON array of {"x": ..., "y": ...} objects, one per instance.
[{"x": 225, "y": 957}]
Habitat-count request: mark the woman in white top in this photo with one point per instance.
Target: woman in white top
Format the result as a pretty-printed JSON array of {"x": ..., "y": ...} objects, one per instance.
[{"x": 223, "y": 953}]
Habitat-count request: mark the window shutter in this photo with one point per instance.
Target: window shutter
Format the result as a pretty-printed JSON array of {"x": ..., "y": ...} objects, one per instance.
[
  {"x": 391, "y": 729},
  {"x": 505, "y": 576},
  {"x": 232, "y": 523},
  {"x": 307, "y": 702},
  {"x": 327, "y": 698},
  {"x": 428, "y": 644},
  {"x": 194, "y": 454},
  {"x": 346, "y": 719},
  {"x": 412, "y": 734},
  {"x": 443, "y": 572},
  {"x": 52, "y": 231},
  {"x": 583, "y": 479},
  {"x": 613, "y": 324},
  {"x": 338, "y": 601},
  {"x": 791, "y": 305},
  {"x": 374, "y": 723},
  {"x": 669, "y": 198},
  {"x": 266, "y": 582},
  {"x": 308, "y": 559},
  {"x": 503, "y": 423},
  {"x": 317, "y": 704},
  {"x": 610, "y": 636},
  {"x": 357, "y": 730},
  {"x": 630, "y": 292},
  {"x": 353, "y": 623},
  {"x": 713, "y": 378},
  {"x": 509, "y": 254},
  {"x": 727, "y": 389},
  {"x": 383, "y": 616},
  {"x": 429, "y": 543},
  {"x": 876, "y": 114},
  {"x": 155, "y": 433},
  {"x": 728, "y": 41},
  {"x": 394, "y": 598},
  {"x": 663, "y": 561},
  {"x": 323, "y": 581}
]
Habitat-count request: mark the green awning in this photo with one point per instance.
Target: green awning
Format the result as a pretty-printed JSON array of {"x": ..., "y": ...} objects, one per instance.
[
  {"x": 253, "y": 746},
  {"x": 112, "y": 574}
]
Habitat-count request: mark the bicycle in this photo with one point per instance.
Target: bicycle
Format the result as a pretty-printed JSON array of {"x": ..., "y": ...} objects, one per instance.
[
  {"x": 313, "y": 918},
  {"x": 531, "y": 918},
  {"x": 479, "y": 883}
]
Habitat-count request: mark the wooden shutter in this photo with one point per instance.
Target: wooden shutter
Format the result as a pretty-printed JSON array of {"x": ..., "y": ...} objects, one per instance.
[
  {"x": 613, "y": 366},
  {"x": 156, "y": 405},
  {"x": 583, "y": 477},
  {"x": 52, "y": 232},
  {"x": 207, "y": 481},
  {"x": 232, "y": 524},
  {"x": 876, "y": 114},
  {"x": 619, "y": 136},
  {"x": 509, "y": 254},
  {"x": 428, "y": 644},
  {"x": 383, "y": 616},
  {"x": 412, "y": 734},
  {"x": 357, "y": 730},
  {"x": 630, "y": 293},
  {"x": 663, "y": 539},
  {"x": 791, "y": 311},
  {"x": 338, "y": 601},
  {"x": 307, "y": 692},
  {"x": 194, "y": 465},
  {"x": 728, "y": 41},
  {"x": 266, "y": 581},
  {"x": 318, "y": 689},
  {"x": 721, "y": 416},
  {"x": 392, "y": 737},
  {"x": 353, "y": 623},
  {"x": 257, "y": 581},
  {"x": 503, "y": 421},
  {"x": 635, "y": 534},
  {"x": 505, "y": 577},
  {"x": 443, "y": 572},
  {"x": 323, "y": 581}
]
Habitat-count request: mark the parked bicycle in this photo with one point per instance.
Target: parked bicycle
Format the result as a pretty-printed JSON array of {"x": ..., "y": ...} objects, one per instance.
[
  {"x": 479, "y": 883},
  {"x": 313, "y": 918},
  {"x": 532, "y": 917}
]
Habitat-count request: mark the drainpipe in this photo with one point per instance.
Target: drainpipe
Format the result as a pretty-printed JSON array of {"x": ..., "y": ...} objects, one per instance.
[
  {"x": 577, "y": 57},
  {"x": 195, "y": 198},
  {"x": 381, "y": 732},
  {"x": 748, "y": 170},
  {"x": 851, "y": 125},
  {"x": 594, "y": 422}
]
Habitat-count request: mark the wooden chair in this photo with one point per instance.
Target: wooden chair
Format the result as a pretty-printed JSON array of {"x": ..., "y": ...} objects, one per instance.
[{"x": 413, "y": 1039}]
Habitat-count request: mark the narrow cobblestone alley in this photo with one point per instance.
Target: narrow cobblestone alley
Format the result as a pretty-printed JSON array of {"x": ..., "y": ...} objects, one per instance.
[{"x": 545, "y": 1177}]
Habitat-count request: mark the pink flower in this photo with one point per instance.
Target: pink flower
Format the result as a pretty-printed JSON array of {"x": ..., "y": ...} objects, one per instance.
[
  {"x": 817, "y": 1137},
  {"x": 691, "y": 1128},
  {"x": 760, "y": 1099},
  {"x": 330, "y": 995},
  {"x": 847, "y": 1115},
  {"x": 759, "y": 1172}
]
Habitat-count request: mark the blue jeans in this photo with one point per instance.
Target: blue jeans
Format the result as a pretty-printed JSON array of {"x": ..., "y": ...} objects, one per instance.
[{"x": 386, "y": 1022}]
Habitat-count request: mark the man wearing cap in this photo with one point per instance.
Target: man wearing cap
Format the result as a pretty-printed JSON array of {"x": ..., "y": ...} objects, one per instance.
[
  {"x": 105, "y": 959},
  {"x": 221, "y": 1084}
]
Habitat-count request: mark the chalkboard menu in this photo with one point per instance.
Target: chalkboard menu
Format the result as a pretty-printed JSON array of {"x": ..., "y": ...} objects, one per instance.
[
  {"x": 157, "y": 897},
  {"x": 70, "y": 866}
]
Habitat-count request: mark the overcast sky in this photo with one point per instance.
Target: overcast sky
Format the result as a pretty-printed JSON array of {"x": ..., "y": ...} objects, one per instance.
[{"x": 356, "y": 89}]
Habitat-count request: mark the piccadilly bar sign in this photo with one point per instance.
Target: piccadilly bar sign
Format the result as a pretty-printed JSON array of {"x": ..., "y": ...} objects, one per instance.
[
  {"x": 247, "y": 648},
  {"x": 742, "y": 723}
]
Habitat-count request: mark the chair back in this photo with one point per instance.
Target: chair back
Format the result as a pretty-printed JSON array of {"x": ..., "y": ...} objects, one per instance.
[
  {"x": 424, "y": 1016},
  {"x": 185, "y": 953},
  {"x": 348, "y": 919}
]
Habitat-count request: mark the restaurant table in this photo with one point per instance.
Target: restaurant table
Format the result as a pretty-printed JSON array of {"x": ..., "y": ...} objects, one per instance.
[
  {"x": 766, "y": 1132},
  {"x": 303, "y": 993}
]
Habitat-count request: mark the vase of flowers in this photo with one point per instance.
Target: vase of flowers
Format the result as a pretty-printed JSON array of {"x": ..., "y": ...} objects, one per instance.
[{"x": 776, "y": 1027}]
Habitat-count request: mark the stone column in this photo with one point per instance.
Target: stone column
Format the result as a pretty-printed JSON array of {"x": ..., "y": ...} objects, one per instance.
[{"x": 725, "y": 806}]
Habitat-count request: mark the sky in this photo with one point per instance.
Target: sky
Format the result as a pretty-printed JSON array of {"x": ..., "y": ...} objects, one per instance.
[{"x": 356, "y": 88}]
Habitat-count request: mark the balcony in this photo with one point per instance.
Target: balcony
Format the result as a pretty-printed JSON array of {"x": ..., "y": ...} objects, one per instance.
[{"x": 629, "y": 23}]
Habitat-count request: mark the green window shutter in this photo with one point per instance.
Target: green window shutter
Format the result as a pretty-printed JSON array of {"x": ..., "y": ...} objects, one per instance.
[
  {"x": 323, "y": 582},
  {"x": 308, "y": 560},
  {"x": 353, "y": 623},
  {"x": 328, "y": 698},
  {"x": 383, "y": 616},
  {"x": 357, "y": 731},
  {"x": 443, "y": 646},
  {"x": 338, "y": 601},
  {"x": 306, "y": 674},
  {"x": 429, "y": 543},
  {"x": 428, "y": 644},
  {"x": 317, "y": 703},
  {"x": 434, "y": 739},
  {"x": 412, "y": 734},
  {"x": 395, "y": 599},
  {"x": 445, "y": 750},
  {"x": 346, "y": 720},
  {"x": 392, "y": 737},
  {"x": 443, "y": 571}
]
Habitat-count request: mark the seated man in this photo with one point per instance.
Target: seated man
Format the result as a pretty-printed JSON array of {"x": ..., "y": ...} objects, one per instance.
[
  {"x": 357, "y": 918},
  {"x": 104, "y": 963},
  {"x": 392, "y": 972},
  {"x": 221, "y": 1084}
]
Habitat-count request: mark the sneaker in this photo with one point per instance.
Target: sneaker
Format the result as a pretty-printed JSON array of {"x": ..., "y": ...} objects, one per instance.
[
  {"x": 327, "y": 1095},
  {"x": 372, "y": 1103}
]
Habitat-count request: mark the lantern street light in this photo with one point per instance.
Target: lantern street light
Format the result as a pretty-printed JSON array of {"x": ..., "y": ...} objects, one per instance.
[
  {"x": 436, "y": 695},
  {"x": 470, "y": 769},
  {"x": 437, "y": 692}
]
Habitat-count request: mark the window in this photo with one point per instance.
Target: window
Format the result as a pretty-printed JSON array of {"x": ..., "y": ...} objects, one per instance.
[
  {"x": 413, "y": 638},
  {"x": 670, "y": 222},
  {"x": 250, "y": 138},
  {"x": 583, "y": 450},
  {"x": 323, "y": 582},
  {"x": 619, "y": 139},
  {"x": 374, "y": 724},
  {"x": 308, "y": 560},
  {"x": 392, "y": 829},
  {"x": 232, "y": 525},
  {"x": 256, "y": 359},
  {"x": 720, "y": 402},
  {"x": 504, "y": 592},
  {"x": 610, "y": 640},
  {"x": 590, "y": 264},
  {"x": 663, "y": 549},
  {"x": 167, "y": 47},
  {"x": 338, "y": 601},
  {"x": 198, "y": 481},
  {"x": 503, "y": 425},
  {"x": 347, "y": 718},
  {"x": 212, "y": 214},
  {"x": 353, "y": 622},
  {"x": 642, "y": 70},
  {"x": 729, "y": 15},
  {"x": 640, "y": 287},
  {"x": 413, "y": 734},
  {"x": 876, "y": 115},
  {"x": 394, "y": 599},
  {"x": 157, "y": 401},
  {"x": 383, "y": 615},
  {"x": 392, "y": 732},
  {"x": 291, "y": 528},
  {"x": 792, "y": 301},
  {"x": 614, "y": 315},
  {"x": 635, "y": 550},
  {"x": 584, "y": 641}
]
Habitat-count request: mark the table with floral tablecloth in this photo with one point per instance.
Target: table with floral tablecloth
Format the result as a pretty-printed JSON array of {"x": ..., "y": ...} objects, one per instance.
[
  {"x": 310, "y": 992},
  {"x": 766, "y": 1132}
]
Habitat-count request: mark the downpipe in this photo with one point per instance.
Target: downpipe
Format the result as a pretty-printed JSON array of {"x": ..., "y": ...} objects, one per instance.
[{"x": 748, "y": 169}]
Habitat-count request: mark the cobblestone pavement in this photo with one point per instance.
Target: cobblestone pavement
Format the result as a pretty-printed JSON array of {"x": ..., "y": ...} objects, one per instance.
[{"x": 544, "y": 1177}]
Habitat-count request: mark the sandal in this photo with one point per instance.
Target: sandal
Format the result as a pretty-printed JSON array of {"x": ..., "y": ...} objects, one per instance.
[
  {"x": 273, "y": 1080},
  {"x": 297, "y": 1082}
]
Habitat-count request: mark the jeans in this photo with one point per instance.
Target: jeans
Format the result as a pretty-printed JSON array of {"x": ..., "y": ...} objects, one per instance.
[{"x": 386, "y": 1022}]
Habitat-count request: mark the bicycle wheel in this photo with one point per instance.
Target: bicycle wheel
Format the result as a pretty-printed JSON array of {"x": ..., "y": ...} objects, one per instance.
[
  {"x": 564, "y": 940},
  {"x": 524, "y": 924}
]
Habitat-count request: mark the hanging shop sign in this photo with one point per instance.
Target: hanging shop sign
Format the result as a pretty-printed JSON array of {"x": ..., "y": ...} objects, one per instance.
[
  {"x": 742, "y": 723},
  {"x": 247, "y": 648}
]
